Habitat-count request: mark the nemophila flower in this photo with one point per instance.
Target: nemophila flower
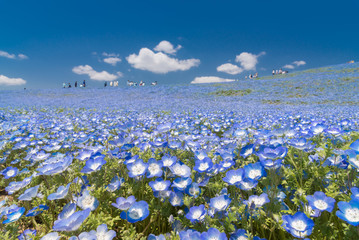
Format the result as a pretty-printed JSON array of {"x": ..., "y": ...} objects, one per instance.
[
  {"x": 176, "y": 198},
  {"x": 60, "y": 193},
  {"x": 55, "y": 168},
  {"x": 88, "y": 236},
  {"x": 200, "y": 155},
  {"x": 27, "y": 234},
  {"x": 36, "y": 210},
  {"x": 321, "y": 202},
  {"x": 318, "y": 129},
  {"x": 72, "y": 222},
  {"x": 181, "y": 183},
  {"x": 299, "y": 225},
  {"x": 353, "y": 157},
  {"x": 137, "y": 168},
  {"x": 220, "y": 203},
  {"x": 180, "y": 169},
  {"x": 193, "y": 190},
  {"x": 254, "y": 171},
  {"x": 247, "y": 184},
  {"x": 349, "y": 211},
  {"x": 174, "y": 145},
  {"x": 190, "y": 235},
  {"x": 29, "y": 194},
  {"x": 159, "y": 185},
  {"x": 14, "y": 214},
  {"x": 271, "y": 152},
  {"x": 86, "y": 201},
  {"x": 15, "y": 186},
  {"x": 115, "y": 184},
  {"x": 154, "y": 168},
  {"x": 203, "y": 165},
  {"x": 226, "y": 164},
  {"x": 247, "y": 150},
  {"x": 137, "y": 212},
  {"x": 154, "y": 237},
  {"x": 67, "y": 211},
  {"x": 51, "y": 236},
  {"x": 355, "y": 192},
  {"x": 271, "y": 164},
  {"x": 124, "y": 203},
  {"x": 9, "y": 172},
  {"x": 257, "y": 201},
  {"x": 355, "y": 145},
  {"x": 196, "y": 214},
  {"x": 168, "y": 161},
  {"x": 84, "y": 154},
  {"x": 42, "y": 155},
  {"x": 213, "y": 233},
  {"x": 93, "y": 164},
  {"x": 234, "y": 177},
  {"x": 240, "y": 234},
  {"x": 337, "y": 161},
  {"x": 301, "y": 144}
]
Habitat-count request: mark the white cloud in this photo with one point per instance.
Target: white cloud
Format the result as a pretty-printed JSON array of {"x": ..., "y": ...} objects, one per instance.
[
  {"x": 294, "y": 64},
  {"x": 299, "y": 63},
  {"x": 12, "y": 56},
  {"x": 11, "y": 81},
  {"x": 99, "y": 76},
  {"x": 167, "y": 47},
  {"x": 159, "y": 62},
  {"x": 289, "y": 66},
  {"x": 229, "y": 68},
  {"x": 112, "y": 60},
  {"x": 211, "y": 79},
  {"x": 248, "y": 60}
]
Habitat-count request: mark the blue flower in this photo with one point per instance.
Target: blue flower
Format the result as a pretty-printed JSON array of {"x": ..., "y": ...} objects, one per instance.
[
  {"x": 355, "y": 192},
  {"x": 254, "y": 171},
  {"x": 247, "y": 150},
  {"x": 193, "y": 190},
  {"x": 349, "y": 211},
  {"x": 94, "y": 164},
  {"x": 14, "y": 215},
  {"x": 154, "y": 168},
  {"x": 213, "y": 233},
  {"x": 9, "y": 172},
  {"x": 67, "y": 211},
  {"x": 319, "y": 201},
  {"x": 154, "y": 237},
  {"x": 176, "y": 198},
  {"x": 180, "y": 169},
  {"x": 15, "y": 186},
  {"x": 181, "y": 183},
  {"x": 168, "y": 161},
  {"x": 84, "y": 154},
  {"x": 220, "y": 203},
  {"x": 271, "y": 152},
  {"x": 301, "y": 144},
  {"x": 56, "y": 167},
  {"x": 247, "y": 184},
  {"x": 137, "y": 212},
  {"x": 115, "y": 184},
  {"x": 159, "y": 185},
  {"x": 36, "y": 210},
  {"x": 88, "y": 236},
  {"x": 123, "y": 203},
  {"x": 203, "y": 165},
  {"x": 355, "y": 145},
  {"x": 103, "y": 233},
  {"x": 51, "y": 236},
  {"x": 86, "y": 201},
  {"x": 29, "y": 194},
  {"x": 299, "y": 225},
  {"x": 60, "y": 193},
  {"x": 257, "y": 201},
  {"x": 190, "y": 235},
  {"x": 27, "y": 234},
  {"x": 72, "y": 222},
  {"x": 196, "y": 214},
  {"x": 234, "y": 177},
  {"x": 240, "y": 234},
  {"x": 137, "y": 168}
]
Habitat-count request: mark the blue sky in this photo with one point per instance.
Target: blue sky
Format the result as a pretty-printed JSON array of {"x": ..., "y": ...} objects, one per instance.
[{"x": 46, "y": 43}]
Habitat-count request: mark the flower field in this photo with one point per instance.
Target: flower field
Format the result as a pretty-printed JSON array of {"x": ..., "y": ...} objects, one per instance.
[{"x": 273, "y": 158}]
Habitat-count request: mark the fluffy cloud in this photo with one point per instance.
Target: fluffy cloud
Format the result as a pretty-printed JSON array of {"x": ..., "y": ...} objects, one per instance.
[
  {"x": 112, "y": 60},
  {"x": 229, "y": 68},
  {"x": 167, "y": 47},
  {"x": 248, "y": 61},
  {"x": 11, "y": 81},
  {"x": 159, "y": 62},
  {"x": 99, "y": 76},
  {"x": 12, "y": 56},
  {"x": 294, "y": 64},
  {"x": 211, "y": 79}
]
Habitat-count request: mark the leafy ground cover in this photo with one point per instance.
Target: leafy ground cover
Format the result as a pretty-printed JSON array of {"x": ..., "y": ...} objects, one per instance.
[{"x": 184, "y": 162}]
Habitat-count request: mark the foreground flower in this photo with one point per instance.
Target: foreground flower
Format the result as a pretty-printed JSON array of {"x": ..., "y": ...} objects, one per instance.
[
  {"x": 196, "y": 214},
  {"x": 299, "y": 225},
  {"x": 123, "y": 203},
  {"x": 51, "y": 236},
  {"x": 87, "y": 201},
  {"x": 190, "y": 235},
  {"x": 349, "y": 211},
  {"x": 220, "y": 203},
  {"x": 257, "y": 201},
  {"x": 213, "y": 233},
  {"x": 60, "y": 193},
  {"x": 93, "y": 164},
  {"x": 72, "y": 222},
  {"x": 29, "y": 194},
  {"x": 137, "y": 212},
  {"x": 9, "y": 172},
  {"x": 319, "y": 201},
  {"x": 14, "y": 215},
  {"x": 36, "y": 210}
]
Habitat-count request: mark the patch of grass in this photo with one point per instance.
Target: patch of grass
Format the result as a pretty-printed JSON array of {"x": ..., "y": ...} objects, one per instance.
[{"x": 231, "y": 92}]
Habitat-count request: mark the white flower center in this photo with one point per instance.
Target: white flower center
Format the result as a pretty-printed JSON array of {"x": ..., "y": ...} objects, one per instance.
[
  {"x": 10, "y": 172},
  {"x": 88, "y": 201},
  {"x": 203, "y": 166},
  {"x": 254, "y": 173},
  {"x": 197, "y": 214},
  {"x": 153, "y": 168},
  {"x": 352, "y": 214},
  {"x": 138, "y": 169},
  {"x": 136, "y": 213},
  {"x": 235, "y": 179},
  {"x": 220, "y": 205},
  {"x": 160, "y": 186},
  {"x": 320, "y": 204},
  {"x": 95, "y": 166},
  {"x": 299, "y": 225}
]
